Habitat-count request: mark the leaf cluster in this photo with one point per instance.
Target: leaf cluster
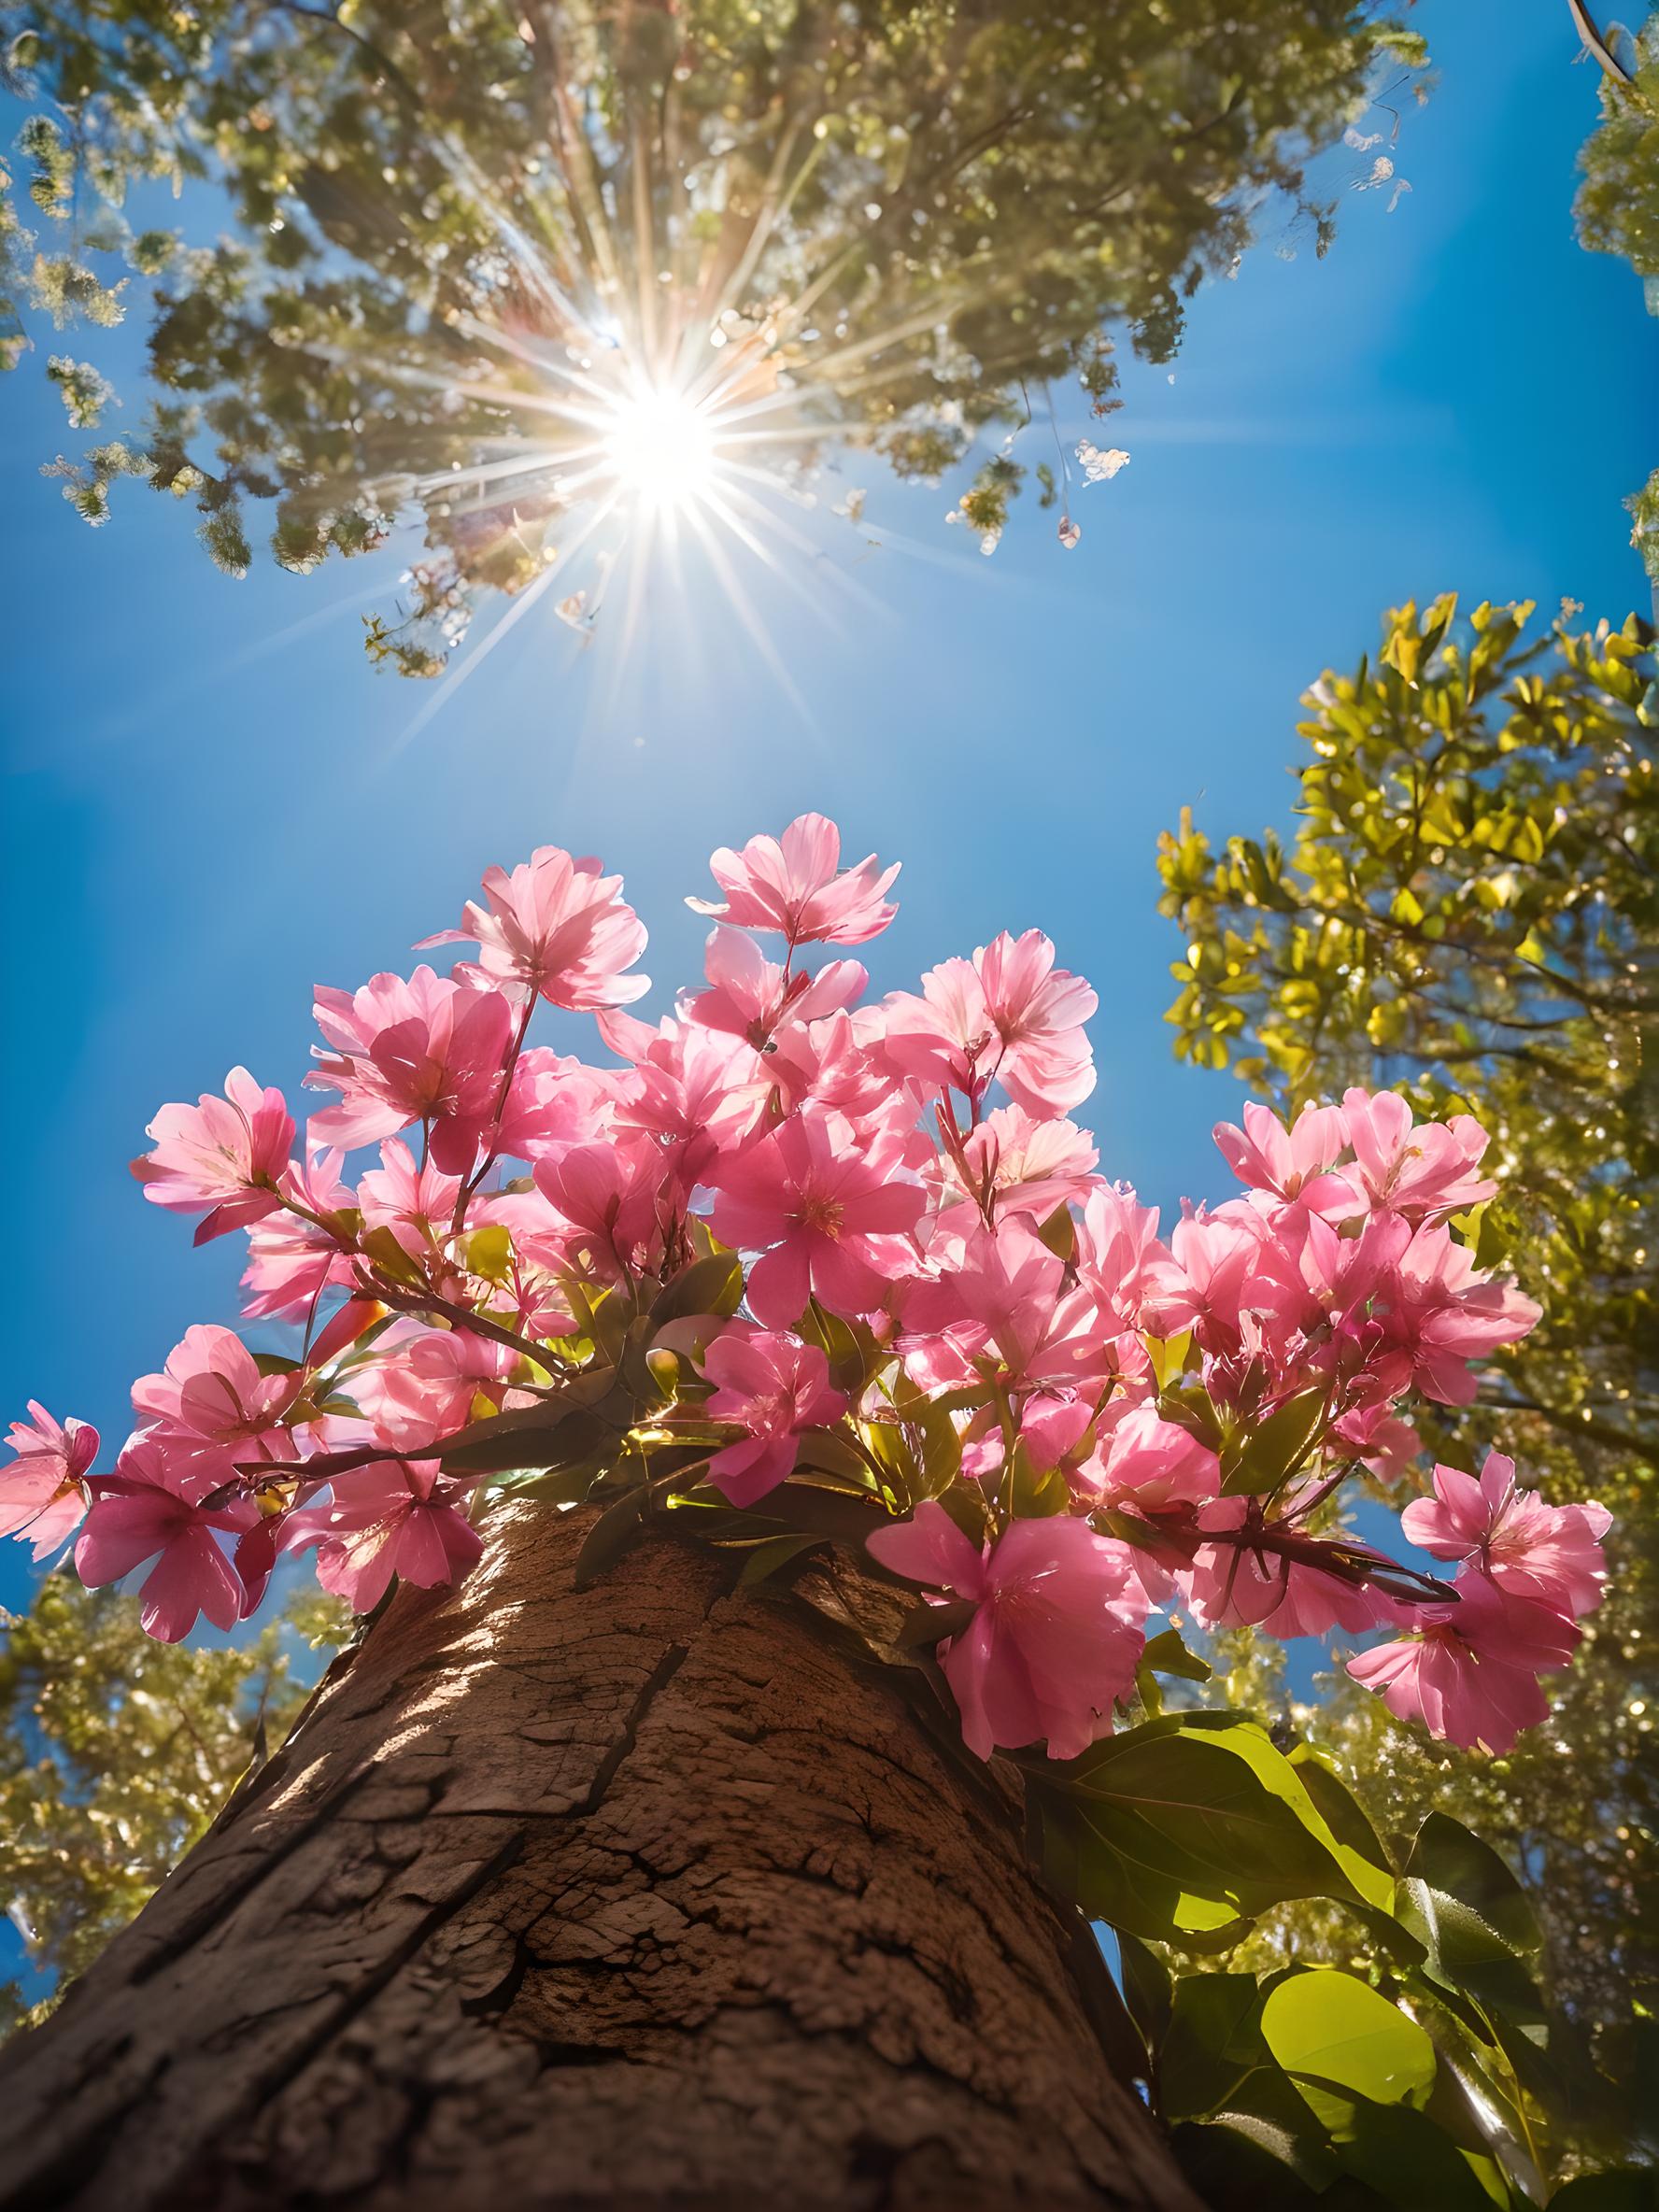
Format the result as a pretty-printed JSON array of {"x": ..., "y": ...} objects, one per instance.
[
  {"x": 970, "y": 196},
  {"x": 1469, "y": 911}
]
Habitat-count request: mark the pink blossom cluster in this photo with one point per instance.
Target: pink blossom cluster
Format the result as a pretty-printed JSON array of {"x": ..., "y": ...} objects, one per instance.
[{"x": 1062, "y": 1424}]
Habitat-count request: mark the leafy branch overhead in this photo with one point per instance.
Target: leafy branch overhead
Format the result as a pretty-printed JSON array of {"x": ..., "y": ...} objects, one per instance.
[{"x": 460, "y": 231}]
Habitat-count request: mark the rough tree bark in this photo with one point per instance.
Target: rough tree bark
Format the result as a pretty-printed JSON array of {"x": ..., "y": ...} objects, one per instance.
[{"x": 646, "y": 1898}]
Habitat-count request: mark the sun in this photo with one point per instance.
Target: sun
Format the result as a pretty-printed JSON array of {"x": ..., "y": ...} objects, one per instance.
[{"x": 661, "y": 449}]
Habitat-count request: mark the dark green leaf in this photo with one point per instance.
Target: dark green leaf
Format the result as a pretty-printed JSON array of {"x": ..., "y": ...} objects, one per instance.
[
  {"x": 1260, "y": 1460},
  {"x": 1449, "y": 1857},
  {"x": 770, "y": 1555},
  {"x": 932, "y": 1624},
  {"x": 1213, "y": 2042},
  {"x": 1166, "y": 1653},
  {"x": 618, "y": 1529},
  {"x": 546, "y": 1435},
  {"x": 1148, "y": 1990},
  {"x": 712, "y": 1285},
  {"x": 1626, "y": 2188}
]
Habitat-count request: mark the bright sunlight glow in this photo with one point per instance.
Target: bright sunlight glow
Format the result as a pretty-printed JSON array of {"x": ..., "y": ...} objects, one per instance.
[{"x": 662, "y": 447}]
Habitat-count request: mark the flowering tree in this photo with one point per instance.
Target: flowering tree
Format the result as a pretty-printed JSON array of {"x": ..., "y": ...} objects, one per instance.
[
  {"x": 1468, "y": 911},
  {"x": 826, "y": 1300}
]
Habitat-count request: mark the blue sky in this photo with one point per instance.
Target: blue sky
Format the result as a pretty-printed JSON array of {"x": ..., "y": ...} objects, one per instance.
[{"x": 212, "y": 801}]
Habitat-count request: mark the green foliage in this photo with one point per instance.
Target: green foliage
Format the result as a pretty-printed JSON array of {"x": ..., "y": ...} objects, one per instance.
[
  {"x": 116, "y": 1752},
  {"x": 1469, "y": 911},
  {"x": 1433, "y": 2072},
  {"x": 1618, "y": 202},
  {"x": 85, "y": 393},
  {"x": 970, "y": 197},
  {"x": 1618, "y": 210},
  {"x": 1644, "y": 524}
]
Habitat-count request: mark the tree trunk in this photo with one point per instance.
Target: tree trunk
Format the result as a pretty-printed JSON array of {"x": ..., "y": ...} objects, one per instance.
[{"x": 646, "y": 1898}]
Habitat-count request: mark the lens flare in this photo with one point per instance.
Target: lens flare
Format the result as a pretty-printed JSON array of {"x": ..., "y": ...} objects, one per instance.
[{"x": 662, "y": 450}]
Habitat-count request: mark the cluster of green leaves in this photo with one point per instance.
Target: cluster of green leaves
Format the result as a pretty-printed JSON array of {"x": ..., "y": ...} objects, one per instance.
[
  {"x": 1618, "y": 205},
  {"x": 1435, "y": 2074},
  {"x": 1469, "y": 911},
  {"x": 116, "y": 1753},
  {"x": 968, "y": 195}
]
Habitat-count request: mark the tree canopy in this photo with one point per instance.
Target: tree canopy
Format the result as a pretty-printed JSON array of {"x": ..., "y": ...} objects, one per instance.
[
  {"x": 116, "y": 1753},
  {"x": 892, "y": 223}
]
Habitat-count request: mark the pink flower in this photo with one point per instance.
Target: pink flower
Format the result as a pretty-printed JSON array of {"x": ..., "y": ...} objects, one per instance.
[
  {"x": 396, "y": 1516},
  {"x": 1292, "y": 1163},
  {"x": 791, "y": 885},
  {"x": 555, "y": 927},
  {"x": 211, "y": 1404},
  {"x": 1118, "y": 1250},
  {"x": 699, "y": 1092},
  {"x": 1056, "y": 1634},
  {"x": 749, "y": 997},
  {"x": 1038, "y": 1010},
  {"x": 1003, "y": 1288},
  {"x": 1221, "y": 1265},
  {"x": 1550, "y": 1554},
  {"x": 417, "y": 1203},
  {"x": 1150, "y": 1464},
  {"x": 556, "y": 1100},
  {"x": 291, "y": 1260},
  {"x": 425, "y": 1050},
  {"x": 1021, "y": 1165},
  {"x": 425, "y": 1384},
  {"x": 1471, "y": 1678},
  {"x": 774, "y": 1386},
  {"x": 824, "y": 1211},
  {"x": 222, "y": 1154},
  {"x": 148, "y": 1510},
  {"x": 1007, "y": 1013},
  {"x": 613, "y": 1197},
  {"x": 1417, "y": 1170},
  {"x": 41, "y": 1499},
  {"x": 1446, "y": 1314}
]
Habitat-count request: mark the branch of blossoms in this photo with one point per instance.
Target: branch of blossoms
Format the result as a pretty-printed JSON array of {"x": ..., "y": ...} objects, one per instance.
[{"x": 799, "y": 1264}]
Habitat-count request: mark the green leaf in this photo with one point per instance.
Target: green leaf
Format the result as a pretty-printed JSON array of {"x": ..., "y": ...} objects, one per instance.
[
  {"x": 1148, "y": 1990},
  {"x": 1410, "y": 2162},
  {"x": 771, "y": 1554},
  {"x": 1450, "y": 1857},
  {"x": 1625, "y": 2188},
  {"x": 834, "y": 1453},
  {"x": 541, "y": 1437},
  {"x": 489, "y": 1252},
  {"x": 1214, "y": 2041},
  {"x": 1333, "y": 2033},
  {"x": 1344, "y": 1814},
  {"x": 618, "y": 1529},
  {"x": 1467, "y": 1951},
  {"x": 1237, "y": 2162},
  {"x": 712, "y": 1285},
  {"x": 1059, "y": 1233},
  {"x": 1186, "y": 1828},
  {"x": 931, "y": 1624},
  {"x": 1166, "y": 1653},
  {"x": 1261, "y": 1459}
]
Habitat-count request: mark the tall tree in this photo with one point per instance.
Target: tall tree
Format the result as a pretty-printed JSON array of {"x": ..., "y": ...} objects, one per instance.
[
  {"x": 1469, "y": 911},
  {"x": 812, "y": 1441},
  {"x": 116, "y": 1752},
  {"x": 467, "y": 235}
]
